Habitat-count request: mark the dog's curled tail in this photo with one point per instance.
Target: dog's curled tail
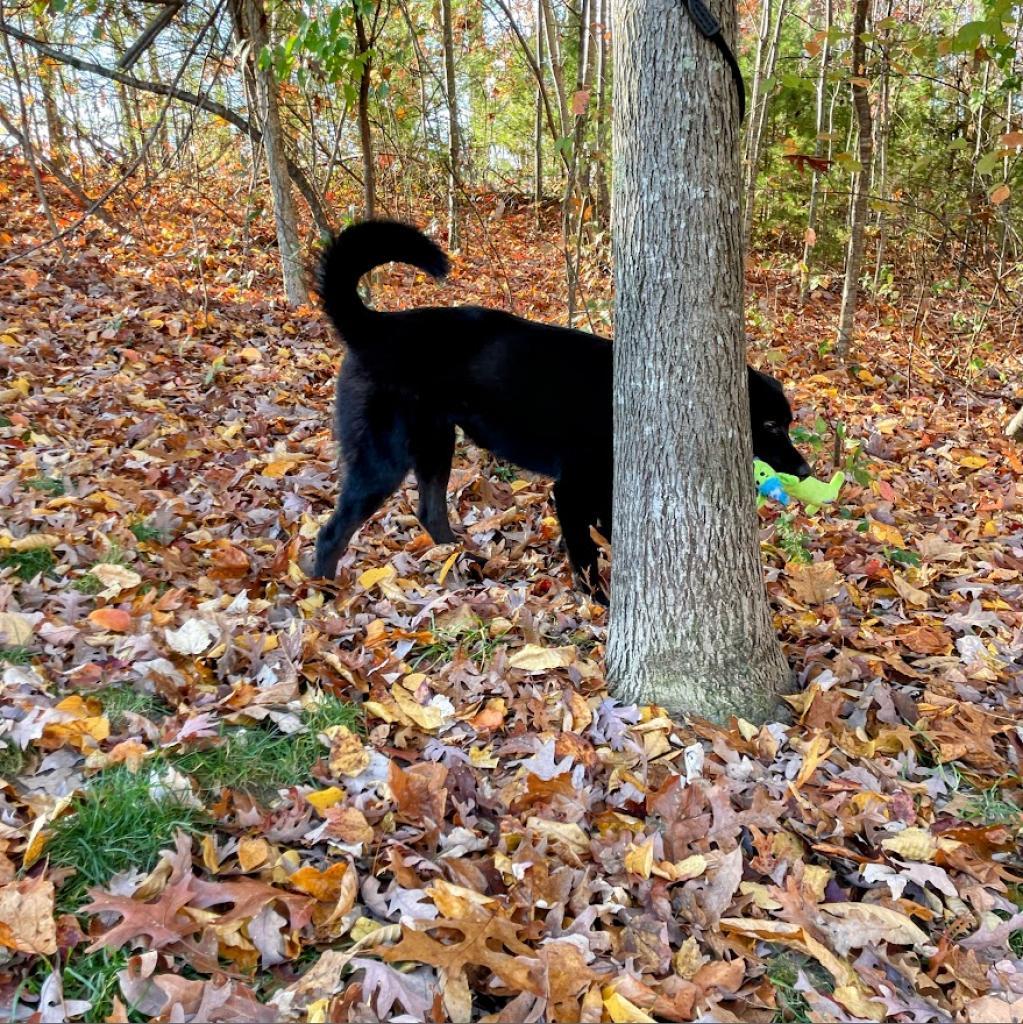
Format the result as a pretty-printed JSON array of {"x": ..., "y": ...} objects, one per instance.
[{"x": 356, "y": 251}]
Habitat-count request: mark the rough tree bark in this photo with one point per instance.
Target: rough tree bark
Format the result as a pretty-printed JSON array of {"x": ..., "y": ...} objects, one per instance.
[
  {"x": 810, "y": 239},
  {"x": 861, "y": 189},
  {"x": 251, "y": 26},
  {"x": 454, "y": 137},
  {"x": 690, "y": 622}
]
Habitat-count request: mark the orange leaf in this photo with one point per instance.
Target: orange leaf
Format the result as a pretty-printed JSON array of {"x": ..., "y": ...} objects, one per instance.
[
  {"x": 114, "y": 619},
  {"x": 324, "y": 885}
]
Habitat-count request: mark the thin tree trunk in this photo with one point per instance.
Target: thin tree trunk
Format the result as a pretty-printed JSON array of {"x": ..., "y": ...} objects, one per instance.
[
  {"x": 49, "y": 83},
  {"x": 755, "y": 132},
  {"x": 861, "y": 188},
  {"x": 602, "y": 213},
  {"x": 538, "y": 120},
  {"x": 810, "y": 239},
  {"x": 557, "y": 64},
  {"x": 573, "y": 192},
  {"x": 454, "y": 144},
  {"x": 251, "y": 23},
  {"x": 690, "y": 622},
  {"x": 362, "y": 48}
]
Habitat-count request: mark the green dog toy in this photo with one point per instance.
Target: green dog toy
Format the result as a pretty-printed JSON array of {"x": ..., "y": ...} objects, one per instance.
[{"x": 783, "y": 487}]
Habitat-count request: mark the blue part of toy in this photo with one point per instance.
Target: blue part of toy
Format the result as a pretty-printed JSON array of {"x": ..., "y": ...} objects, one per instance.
[{"x": 772, "y": 488}]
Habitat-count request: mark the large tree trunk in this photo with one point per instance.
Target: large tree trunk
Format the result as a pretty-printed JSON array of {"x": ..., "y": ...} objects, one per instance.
[
  {"x": 810, "y": 239},
  {"x": 861, "y": 189},
  {"x": 454, "y": 143},
  {"x": 766, "y": 62},
  {"x": 690, "y": 622},
  {"x": 251, "y": 25},
  {"x": 362, "y": 47}
]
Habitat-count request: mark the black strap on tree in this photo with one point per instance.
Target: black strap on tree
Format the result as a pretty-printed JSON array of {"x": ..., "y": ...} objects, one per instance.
[{"x": 710, "y": 28}]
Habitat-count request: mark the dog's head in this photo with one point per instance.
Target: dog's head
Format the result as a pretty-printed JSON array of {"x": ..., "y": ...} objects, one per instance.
[{"x": 771, "y": 419}]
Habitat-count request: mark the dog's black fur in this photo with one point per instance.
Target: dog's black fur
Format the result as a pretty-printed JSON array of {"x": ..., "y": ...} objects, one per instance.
[{"x": 534, "y": 394}]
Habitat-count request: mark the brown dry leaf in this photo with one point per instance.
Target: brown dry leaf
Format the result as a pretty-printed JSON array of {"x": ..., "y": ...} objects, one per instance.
[
  {"x": 484, "y": 937},
  {"x": 26, "y": 917},
  {"x": 349, "y": 825},
  {"x": 533, "y": 658},
  {"x": 865, "y": 925},
  {"x": 816, "y": 583},
  {"x": 913, "y": 595},
  {"x": 348, "y": 754},
  {"x": 419, "y": 792}
]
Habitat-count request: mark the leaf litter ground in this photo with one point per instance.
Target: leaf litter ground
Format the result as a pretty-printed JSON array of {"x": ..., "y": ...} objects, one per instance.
[{"x": 226, "y": 797}]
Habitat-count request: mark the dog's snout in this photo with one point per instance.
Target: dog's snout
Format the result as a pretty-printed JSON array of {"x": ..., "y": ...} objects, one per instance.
[{"x": 804, "y": 471}]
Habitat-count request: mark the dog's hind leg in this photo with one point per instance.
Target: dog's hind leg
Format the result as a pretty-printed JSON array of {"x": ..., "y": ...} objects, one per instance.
[
  {"x": 373, "y": 475},
  {"x": 575, "y": 513},
  {"x": 433, "y": 445}
]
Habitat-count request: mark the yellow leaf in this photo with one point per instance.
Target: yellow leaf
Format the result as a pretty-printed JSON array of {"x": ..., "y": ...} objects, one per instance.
[
  {"x": 812, "y": 757},
  {"x": 855, "y": 1000},
  {"x": 912, "y": 844},
  {"x": 15, "y": 629},
  {"x": 533, "y": 658},
  {"x": 371, "y": 577},
  {"x": 640, "y": 859},
  {"x": 446, "y": 567},
  {"x": 252, "y": 853},
  {"x": 483, "y": 757},
  {"x": 427, "y": 717},
  {"x": 621, "y": 1011},
  {"x": 279, "y": 467},
  {"x": 886, "y": 534},
  {"x": 348, "y": 755},
  {"x": 762, "y": 897},
  {"x": 35, "y": 540},
  {"x": 324, "y": 798}
]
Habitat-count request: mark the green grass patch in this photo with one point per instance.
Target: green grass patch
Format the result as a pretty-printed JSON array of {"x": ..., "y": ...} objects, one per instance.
[
  {"x": 117, "y": 700},
  {"x": 91, "y": 976},
  {"x": 89, "y": 583},
  {"x": 989, "y": 807},
  {"x": 475, "y": 643},
  {"x": 116, "y": 824},
  {"x": 146, "y": 533},
  {"x": 29, "y": 564},
  {"x": 783, "y": 972},
  {"x": 262, "y": 760},
  {"x": 16, "y": 655},
  {"x": 12, "y": 759},
  {"x": 48, "y": 485}
]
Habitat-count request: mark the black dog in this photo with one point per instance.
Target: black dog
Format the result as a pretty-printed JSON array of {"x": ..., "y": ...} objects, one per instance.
[{"x": 534, "y": 394}]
